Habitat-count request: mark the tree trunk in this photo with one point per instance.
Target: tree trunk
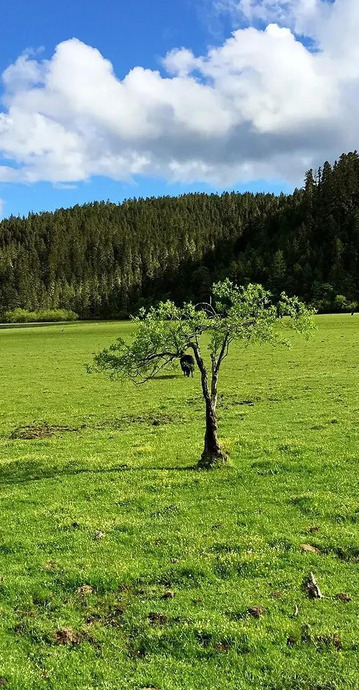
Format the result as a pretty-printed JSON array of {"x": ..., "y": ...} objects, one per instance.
[{"x": 212, "y": 455}]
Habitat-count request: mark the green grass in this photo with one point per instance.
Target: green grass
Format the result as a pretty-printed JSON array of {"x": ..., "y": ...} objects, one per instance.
[{"x": 220, "y": 541}]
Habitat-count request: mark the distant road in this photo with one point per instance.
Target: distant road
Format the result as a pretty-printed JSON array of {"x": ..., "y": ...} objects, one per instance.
[
  {"x": 39, "y": 324},
  {"x": 36, "y": 324}
]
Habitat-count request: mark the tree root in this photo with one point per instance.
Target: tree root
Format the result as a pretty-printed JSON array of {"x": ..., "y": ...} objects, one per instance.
[{"x": 210, "y": 461}]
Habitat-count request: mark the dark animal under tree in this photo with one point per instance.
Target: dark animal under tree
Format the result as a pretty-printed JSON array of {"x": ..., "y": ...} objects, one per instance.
[{"x": 187, "y": 365}]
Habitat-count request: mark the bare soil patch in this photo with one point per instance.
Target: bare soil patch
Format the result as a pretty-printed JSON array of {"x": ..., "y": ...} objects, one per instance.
[{"x": 39, "y": 430}]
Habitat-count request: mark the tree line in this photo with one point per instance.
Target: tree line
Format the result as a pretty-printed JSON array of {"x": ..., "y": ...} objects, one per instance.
[{"x": 103, "y": 260}]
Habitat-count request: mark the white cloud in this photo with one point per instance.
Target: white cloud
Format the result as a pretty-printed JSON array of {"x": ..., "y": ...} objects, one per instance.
[
  {"x": 1, "y": 208},
  {"x": 262, "y": 105},
  {"x": 332, "y": 24},
  {"x": 302, "y": 16}
]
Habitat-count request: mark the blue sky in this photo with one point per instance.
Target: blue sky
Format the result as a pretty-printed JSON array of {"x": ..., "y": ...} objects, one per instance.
[
  {"x": 247, "y": 110},
  {"x": 128, "y": 34}
]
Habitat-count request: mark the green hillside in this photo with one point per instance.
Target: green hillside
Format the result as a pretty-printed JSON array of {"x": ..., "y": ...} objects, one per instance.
[{"x": 105, "y": 260}]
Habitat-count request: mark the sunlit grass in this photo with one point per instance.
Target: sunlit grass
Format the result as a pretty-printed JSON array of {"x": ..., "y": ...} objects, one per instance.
[{"x": 175, "y": 557}]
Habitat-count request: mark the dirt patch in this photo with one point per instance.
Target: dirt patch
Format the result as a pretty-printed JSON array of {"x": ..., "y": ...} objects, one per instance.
[
  {"x": 348, "y": 553},
  {"x": 231, "y": 400},
  {"x": 85, "y": 590},
  {"x": 39, "y": 430},
  {"x": 309, "y": 548},
  {"x": 157, "y": 618},
  {"x": 257, "y": 611},
  {"x": 342, "y": 596},
  {"x": 111, "y": 616},
  {"x": 321, "y": 642},
  {"x": 243, "y": 402},
  {"x": 167, "y": 510},
  {"x": 68, "y": 636},
  {"x": 149, "y": 419}
]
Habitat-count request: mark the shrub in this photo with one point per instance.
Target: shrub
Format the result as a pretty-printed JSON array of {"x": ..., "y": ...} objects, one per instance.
[
  {"x": 16, "y": 316},
  {"x": 340, "y": 303},
  {"x": 42, "y": 315}
]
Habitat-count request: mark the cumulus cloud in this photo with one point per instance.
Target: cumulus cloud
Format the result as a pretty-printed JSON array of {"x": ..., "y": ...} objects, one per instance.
[
  {"x": 262, "y": 105},
  {"x": 332, "y": 24},
  {"x": 300, "y": 15}
]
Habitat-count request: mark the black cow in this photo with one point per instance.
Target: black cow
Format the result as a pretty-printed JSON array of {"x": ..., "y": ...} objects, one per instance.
[{"x": 187, "y": 365}]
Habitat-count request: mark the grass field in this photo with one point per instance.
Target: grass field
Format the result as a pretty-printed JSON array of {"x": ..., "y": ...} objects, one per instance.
[{"x": 122, "y": 567}]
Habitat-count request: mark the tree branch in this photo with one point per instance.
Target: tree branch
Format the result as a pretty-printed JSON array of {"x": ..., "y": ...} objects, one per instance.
[
  {"x": 202, "y": 367},
  {"x": 223, "y": 353},
  {"x": 158, "y": 355},
  {"x": 141, "y": 365},
  {"x": 206, "y": 307},
  {"x": 155, "y": 371}
]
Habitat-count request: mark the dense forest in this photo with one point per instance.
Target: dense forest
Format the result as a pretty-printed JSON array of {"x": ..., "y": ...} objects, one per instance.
[{"x": 105, "y": 260}]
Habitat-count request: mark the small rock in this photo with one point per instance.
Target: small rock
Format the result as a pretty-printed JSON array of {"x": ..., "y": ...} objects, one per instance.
[
  {"x": 291, "y": 641},
  {"x": 98, "y": 535},
  {"x": 85, "y": 590},
  {"x": 309, "y": 548},
  {"x": 49, "y": 565},
  {"x": 312, "y": 588},
  {"x": 343, "y": 597},
  {"x": 257, "y": 611},
  {"x": 168, "y": 595},
  {"x": 3, "y": 681},
  {"x": 175, "y": 560}
]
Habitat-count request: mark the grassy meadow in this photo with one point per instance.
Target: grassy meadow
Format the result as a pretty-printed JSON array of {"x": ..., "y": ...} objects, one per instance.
[{"x": 121, "y": 567}]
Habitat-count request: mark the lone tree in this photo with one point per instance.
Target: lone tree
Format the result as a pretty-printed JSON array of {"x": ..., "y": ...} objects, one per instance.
[{"x": 166, "y": 332}]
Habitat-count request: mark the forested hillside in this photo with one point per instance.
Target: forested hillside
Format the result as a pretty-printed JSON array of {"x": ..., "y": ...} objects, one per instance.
[{"x": 105, "y": 260}]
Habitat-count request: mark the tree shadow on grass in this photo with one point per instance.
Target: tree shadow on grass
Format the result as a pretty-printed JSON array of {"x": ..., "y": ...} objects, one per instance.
[{"x": 23, "y": 471}]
